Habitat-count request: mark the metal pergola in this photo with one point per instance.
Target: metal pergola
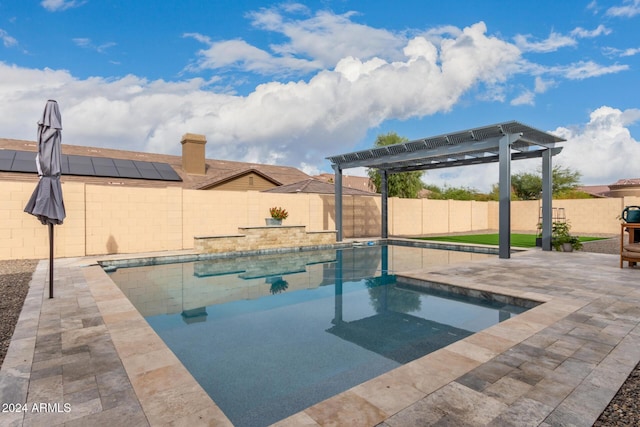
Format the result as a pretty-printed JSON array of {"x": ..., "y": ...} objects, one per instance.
[{"x": 501, "y": 143}]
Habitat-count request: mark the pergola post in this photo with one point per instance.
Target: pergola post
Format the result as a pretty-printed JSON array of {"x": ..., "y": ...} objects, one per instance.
[
  {"x": 547, "y": 199},
  {"x": 338, "y": 201},
  {"x": 504, "y": 207},
  {"x": 384, "y": 192}
]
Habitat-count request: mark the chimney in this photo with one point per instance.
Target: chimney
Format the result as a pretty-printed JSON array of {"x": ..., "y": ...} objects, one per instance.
[{"x": 193, "y": 153}]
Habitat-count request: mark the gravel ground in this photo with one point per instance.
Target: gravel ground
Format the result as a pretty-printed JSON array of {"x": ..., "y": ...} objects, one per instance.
[
  {"x": 624, "y": 409},
  {"x": 14, "y": 284}
]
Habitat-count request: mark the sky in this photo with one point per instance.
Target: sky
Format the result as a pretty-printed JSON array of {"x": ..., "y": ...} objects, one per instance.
[{"x": 292, "y": 83}]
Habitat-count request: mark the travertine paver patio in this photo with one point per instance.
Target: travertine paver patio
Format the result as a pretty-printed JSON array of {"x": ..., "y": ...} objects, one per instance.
[{"x": 558, "y": 364}]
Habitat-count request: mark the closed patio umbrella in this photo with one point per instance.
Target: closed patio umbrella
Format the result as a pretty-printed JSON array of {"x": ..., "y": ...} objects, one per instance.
[{"x": 46, "y": 201}]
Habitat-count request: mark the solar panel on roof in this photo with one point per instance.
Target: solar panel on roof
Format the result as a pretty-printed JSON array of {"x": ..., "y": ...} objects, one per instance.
[
  {"x": 24, "y": 161},
  {"x": 6, "y": 159},
  {"x": 126, "y": 168},
  {"x": 166, "y": 172},
  {"x": 147, "y": 170},
  {"x": 104, "y": 167},
  {"x": 64, "y": 164},
  {"x": 80, "y": 165}
]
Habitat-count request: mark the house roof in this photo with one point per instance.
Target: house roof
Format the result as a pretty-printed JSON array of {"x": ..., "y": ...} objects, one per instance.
[
  {"x": 217, "y": 171},
  {"x": 351, "y": 181},
  {"x": 231, "y": 175},
  {"x": 629, "y": 182},
  {"x": 595, "y": 190},
  {"x": 317, "y": 186}
]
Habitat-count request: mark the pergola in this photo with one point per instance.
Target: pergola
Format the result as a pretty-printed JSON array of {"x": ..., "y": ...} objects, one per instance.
[{"x": 501, "y": 143}]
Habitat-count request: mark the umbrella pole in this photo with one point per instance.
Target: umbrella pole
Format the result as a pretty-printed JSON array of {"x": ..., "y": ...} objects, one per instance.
[{"x": 50, "y": 260}]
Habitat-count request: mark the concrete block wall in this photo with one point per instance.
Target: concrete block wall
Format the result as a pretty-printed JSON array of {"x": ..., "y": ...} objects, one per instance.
[
  {"x": 435, "y": 216},
  {"x": 22, "y": 236},
  {"x": 422, "y": 216},
  {"x": 125, "y": 220},
  {"x": 118, "y": 219},
  {"x": 585, "y": 215},
  {"x": 524, "y": 214},
  {"x": 211, "y": 213}
]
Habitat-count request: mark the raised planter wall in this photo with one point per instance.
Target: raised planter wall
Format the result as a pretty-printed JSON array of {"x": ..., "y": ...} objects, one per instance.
[{"x": 258, "y": 238}]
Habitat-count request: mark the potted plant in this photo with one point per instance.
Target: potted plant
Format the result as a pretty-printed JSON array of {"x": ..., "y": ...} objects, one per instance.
[
  {"x": 277, "y": 215},
  {"x": 561, "y": 238},
  {"x": 539, "y": 235}
]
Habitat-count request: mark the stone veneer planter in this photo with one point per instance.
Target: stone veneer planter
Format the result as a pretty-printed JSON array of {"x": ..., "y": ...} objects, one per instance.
[{"x": 257, "y": 238}]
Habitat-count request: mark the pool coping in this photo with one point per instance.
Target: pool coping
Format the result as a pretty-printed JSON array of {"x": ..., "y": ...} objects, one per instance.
[
  {"x": 190, "y": 256},
  {"x": 168, "y": 395}
]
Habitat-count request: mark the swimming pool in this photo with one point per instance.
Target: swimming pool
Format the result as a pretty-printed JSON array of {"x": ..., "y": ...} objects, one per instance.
[{"x": 267, "y": 336}]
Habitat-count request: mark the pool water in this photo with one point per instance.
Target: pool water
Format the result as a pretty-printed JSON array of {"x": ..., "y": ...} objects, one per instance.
[{"x": 268, "y": 336}]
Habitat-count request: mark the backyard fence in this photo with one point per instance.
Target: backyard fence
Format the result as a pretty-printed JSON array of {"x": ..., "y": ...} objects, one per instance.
[{"x": 108, "y": 219}]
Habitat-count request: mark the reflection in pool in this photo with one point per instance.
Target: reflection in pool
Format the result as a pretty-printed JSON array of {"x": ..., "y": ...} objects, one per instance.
[{"x": 267, "y": 336}]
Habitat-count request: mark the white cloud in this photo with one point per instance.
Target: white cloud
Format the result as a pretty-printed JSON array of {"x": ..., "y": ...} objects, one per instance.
[
  {"x": 525, "y": 98},
  {"x": 554, "y": 42},
  {"x": 629, "y": 9},
  {"x": 557, "y": 41},
  {"x": 240, "y": 54},
  {"x": 630, "y": 52},
  {"x": 7, "y": 40},
  {"x": 315, "y": 43},
  {"x": 582, "y": 33},
  {"x": 603, "y": 150},
  {"x": 296, "y": 123},
  {"x": 327, "y": 37},
  {"x": 88, "y": 44},
  {"x": 58, "y": 5},
  {"x": 612, "y": 51},
  {"x": 585, "y": 69},
  {"x": 541, "y": 85},
  {"x": 282, "y": 122}
]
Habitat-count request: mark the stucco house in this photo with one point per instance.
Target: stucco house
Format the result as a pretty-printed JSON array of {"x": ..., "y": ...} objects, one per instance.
[{"x": 621, "y": 188}]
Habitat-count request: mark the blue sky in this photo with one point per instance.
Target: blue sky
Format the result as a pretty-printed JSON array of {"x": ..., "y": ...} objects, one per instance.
[{"x": 292, "y": 83}]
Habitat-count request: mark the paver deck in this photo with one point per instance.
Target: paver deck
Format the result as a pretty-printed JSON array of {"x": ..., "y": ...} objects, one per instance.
[{"x": 87, "y": 357}]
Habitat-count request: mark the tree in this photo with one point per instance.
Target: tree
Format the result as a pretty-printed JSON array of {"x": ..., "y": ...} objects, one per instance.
[
  {"x": 405, "y": 184},
  {"x": 460, "y": 193},
  {"x": 528, "y": 186},
  {"x": 452, "y": 193}
]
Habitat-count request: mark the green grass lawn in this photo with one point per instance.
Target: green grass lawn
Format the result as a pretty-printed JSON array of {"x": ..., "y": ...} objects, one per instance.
[{"x": 519, "y": 240}]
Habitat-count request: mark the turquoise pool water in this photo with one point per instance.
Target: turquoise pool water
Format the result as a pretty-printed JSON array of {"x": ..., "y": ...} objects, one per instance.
[{"x": 267, "y": 336}]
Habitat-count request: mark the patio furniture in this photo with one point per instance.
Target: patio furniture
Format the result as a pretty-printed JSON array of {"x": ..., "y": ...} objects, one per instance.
[{"x": 629, "y": 251}]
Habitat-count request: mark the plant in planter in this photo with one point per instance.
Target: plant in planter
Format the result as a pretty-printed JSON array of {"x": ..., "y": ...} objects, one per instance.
[
  {"x": 561, "y": 238},
  {"x": 539, "y": 235},
  {"x": 277, "y": 215}
]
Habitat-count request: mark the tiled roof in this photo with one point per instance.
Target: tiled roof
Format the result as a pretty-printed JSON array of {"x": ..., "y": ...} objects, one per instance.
[
  {"x": 317, "y": 186},
  {"x": 351, "y": 181},
  {"x": 630, "y": 182},
  {"x": 224, "y": 177},
  {"x": 216, "y": 170},
  {"x": 595, "y": 190}
]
